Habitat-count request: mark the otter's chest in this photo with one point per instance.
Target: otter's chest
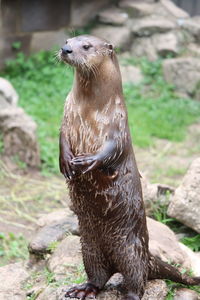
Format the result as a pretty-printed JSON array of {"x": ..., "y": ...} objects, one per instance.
[{"x": 88, "y": 129}]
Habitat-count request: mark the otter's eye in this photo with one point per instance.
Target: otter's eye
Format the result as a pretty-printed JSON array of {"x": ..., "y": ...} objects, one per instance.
[{"x": 86, "y": 47}]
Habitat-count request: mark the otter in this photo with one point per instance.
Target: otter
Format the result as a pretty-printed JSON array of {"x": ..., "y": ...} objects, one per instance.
[{"x": 97, "y": 159}]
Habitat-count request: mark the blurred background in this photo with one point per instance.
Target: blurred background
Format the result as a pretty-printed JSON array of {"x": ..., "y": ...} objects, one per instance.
[{"x": 158, "y": 47}]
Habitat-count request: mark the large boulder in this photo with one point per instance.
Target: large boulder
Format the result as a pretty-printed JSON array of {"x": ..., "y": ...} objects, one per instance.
[
  {"x": 67, "y": 257},
  {"x": 163, "y": 243},
  {"x": 57, "y": 225},
  {"x": 19, "y": 135},
  {"x": 186, "y": 294},
  {"x": 131, "y": 74},
  {"x": 144, "y": 47},
  {"x": 113, "y": 15},
  {"x": 183, "y": 73},
  {"x": 120, "y": 36},
  {"x": 151, "y": 25},
  {"x": 167, "y": 44},
  {"x": 137, "y": 8},
  {"x": 12, "y": 277},
  {"x": 174, "y": 10},
  {"x": 8, "y": 95},
  {"x": 193, "y": 27},
  {"x": 155, "y": 290},
  {"x": 184, "y": 205}
]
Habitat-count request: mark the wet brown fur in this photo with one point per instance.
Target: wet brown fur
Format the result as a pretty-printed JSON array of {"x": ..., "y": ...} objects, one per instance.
[{"x": 108, "y": 198}]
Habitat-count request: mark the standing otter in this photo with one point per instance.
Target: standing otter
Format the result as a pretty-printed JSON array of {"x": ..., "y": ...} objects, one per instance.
[{"x": 97, "y": 159}]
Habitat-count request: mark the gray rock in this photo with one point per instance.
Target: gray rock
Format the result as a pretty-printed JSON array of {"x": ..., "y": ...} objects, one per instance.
[
  {"x": 152, "y": 193},
  {"x": 131, "y": 74},
  {"x": 113, "y": 15},
  {"x": 194, "y": 259},
  {"x": 184, "y": 205},
  {"x": 54, "y": 217},
  {"x": 144, "y": 47},
  {"x": 193, "y": 27},
  {"x": 164, "y": 244},
  {"x": 174, "y": 10},
  {"x": 81, "y": 12},
  {"x": 67, "y": 256},
  {"x": 167, "y": 44},
  {"x": 46, "y": 236},
  {"x": 151, "y": 25},
  {"x": 194, "y": 49},
  {"x": 8, "y": 95},
  {"x": 137, "y": 8},
  {"x": 120, "y": 36},
  {"x": 53, "y": 227},
  {"x": 155, "y": 290},
  {"x": 19, "y": 135},
  {"x": 183, "y": 73},
  {"x": 12, "y": 277},
  {"x": 186, "y": 294}
]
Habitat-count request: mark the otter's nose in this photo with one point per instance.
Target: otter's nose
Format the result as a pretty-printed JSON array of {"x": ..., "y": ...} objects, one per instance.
[{"x": 66, "y": 49}]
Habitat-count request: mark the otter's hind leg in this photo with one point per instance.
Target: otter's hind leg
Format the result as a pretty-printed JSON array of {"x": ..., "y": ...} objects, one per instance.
[
  {"x": 97, "y": 269},
  {"x": 133, "y": 265}
]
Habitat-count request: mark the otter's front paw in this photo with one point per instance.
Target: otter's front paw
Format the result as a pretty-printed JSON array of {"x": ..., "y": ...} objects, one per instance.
[
  {"x": 82, "y": 291},
  {"x": 86, "y": 163},
  {"x": 66, "y": 167}
]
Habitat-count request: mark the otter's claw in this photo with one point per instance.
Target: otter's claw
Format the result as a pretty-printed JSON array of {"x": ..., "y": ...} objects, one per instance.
[
  {"x": 81, "y": 292},
  {"x": 90, "y": 162}
]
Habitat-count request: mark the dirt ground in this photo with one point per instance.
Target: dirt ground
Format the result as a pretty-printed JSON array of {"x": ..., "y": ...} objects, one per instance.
[{"x": 25, "y": 196}]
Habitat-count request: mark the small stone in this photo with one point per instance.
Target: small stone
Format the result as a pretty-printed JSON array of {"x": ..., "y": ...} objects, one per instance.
[
  {"x": 137, "y": 8},
  {"x": 120, "y": 36},
  {"x": 8, "y": 95},
  {"x": 149, "y": 26},
  {"x": 113, "y": 15},
  {"x": 185, "y": 294},
  {"x": 184, "y": 205},
  {"x": 131, "y": 74}
]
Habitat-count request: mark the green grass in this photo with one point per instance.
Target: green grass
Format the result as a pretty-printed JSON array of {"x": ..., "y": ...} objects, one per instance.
[
  {"x": 154, "y": 110},
  {"x": 192, "y": 242},
  {"x": 12, "y": 248}
]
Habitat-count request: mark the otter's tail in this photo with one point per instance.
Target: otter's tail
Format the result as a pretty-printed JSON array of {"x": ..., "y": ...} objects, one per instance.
[{"x": 158, "y": 269}]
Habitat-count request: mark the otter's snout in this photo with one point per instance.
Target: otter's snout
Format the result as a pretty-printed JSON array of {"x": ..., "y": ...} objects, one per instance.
[{"x": 66, "y": 49}]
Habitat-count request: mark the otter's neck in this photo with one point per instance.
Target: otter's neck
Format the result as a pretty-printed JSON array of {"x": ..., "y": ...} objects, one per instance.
[{"x": 99, "y": 85}]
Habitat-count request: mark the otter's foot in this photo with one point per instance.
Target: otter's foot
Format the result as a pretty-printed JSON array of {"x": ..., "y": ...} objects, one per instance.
[
  {"x": 131, "y": 296},
  {"x": 82, "y": 291}
]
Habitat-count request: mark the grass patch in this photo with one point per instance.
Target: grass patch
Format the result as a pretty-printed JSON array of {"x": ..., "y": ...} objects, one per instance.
[
  {"x": 192, "y": 242},
  {"x": 12, "y": 248},
  {"x": 154, "y": 110},
  {"x": 172, "y": 287}
]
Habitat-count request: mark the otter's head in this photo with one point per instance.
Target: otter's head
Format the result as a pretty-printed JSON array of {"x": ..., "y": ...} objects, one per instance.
[{"x": 85, "y": 51}]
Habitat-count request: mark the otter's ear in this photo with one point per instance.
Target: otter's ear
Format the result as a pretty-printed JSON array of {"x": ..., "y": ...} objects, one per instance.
[{"x": 109, "y": 47}]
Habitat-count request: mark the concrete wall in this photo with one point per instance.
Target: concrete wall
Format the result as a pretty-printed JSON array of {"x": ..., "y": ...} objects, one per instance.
[{"x": 42, "y": 24}]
